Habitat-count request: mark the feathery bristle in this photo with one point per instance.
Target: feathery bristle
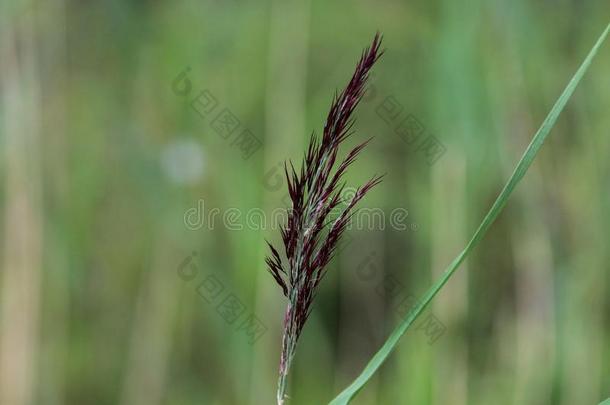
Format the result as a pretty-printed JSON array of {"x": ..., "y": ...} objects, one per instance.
[{"x": 310, "y": 239}]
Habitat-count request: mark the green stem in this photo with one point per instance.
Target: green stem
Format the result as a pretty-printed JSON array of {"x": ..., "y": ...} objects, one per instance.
[{"x": 526, "y": 160}]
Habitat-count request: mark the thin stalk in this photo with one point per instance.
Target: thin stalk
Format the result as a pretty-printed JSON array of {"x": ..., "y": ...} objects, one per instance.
[
  {"x": 288, "y": 348},
  {"x": 526, "y": 160}
]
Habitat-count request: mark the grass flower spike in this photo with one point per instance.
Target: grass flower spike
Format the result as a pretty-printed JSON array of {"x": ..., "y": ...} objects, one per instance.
[{"x": 310, "y": 236}]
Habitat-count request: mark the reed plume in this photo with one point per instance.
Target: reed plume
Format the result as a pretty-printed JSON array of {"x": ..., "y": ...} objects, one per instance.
[{"x": 310, "y": 236}]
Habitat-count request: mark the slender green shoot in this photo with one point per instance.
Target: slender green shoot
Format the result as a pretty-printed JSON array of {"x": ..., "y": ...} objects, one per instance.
[{"x": 526, "y": 160}]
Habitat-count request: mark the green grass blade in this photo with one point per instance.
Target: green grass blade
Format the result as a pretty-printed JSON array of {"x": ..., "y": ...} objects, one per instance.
[
  {"x": 606, "y": 402},
  {"x": 526, "y": 160}
]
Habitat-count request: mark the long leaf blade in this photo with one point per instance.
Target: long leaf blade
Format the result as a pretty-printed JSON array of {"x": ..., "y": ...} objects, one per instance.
[{"x": 524, "y": 163}]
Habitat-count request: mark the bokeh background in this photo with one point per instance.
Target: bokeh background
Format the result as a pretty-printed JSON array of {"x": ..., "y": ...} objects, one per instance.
[{"x": 114, "y": 288}]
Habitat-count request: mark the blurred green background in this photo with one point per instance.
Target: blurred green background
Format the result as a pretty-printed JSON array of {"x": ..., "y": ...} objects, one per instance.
[{"x": 112, "y": 286}]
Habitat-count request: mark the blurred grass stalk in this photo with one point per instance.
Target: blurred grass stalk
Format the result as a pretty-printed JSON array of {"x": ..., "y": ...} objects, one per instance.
[
  {"x": 21, "y": 275},
  {"x": 522, "y": 166}
]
